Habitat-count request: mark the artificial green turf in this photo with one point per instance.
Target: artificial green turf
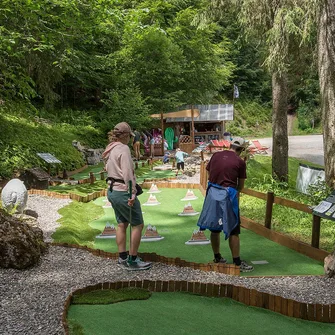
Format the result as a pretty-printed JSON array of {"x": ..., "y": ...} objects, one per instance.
[
  {"x": 142, "y": 173},
  {"x": 86, "y": 173},
  {"x": 178, "y": 229},
  {"x": 80, "y": 189},
  {"x": 105, "y": 297},
  {"x": 183, "y": 313},
  {"x": 74, "y": 223}
]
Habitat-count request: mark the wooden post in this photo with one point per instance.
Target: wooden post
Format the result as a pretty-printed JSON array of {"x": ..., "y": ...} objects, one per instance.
[
  {"x": 162, "y": 127},
  {"x": 202, "y": 155},
  {"x": 192, "y": 127},
  {"x": 136, "y": 165},
  {"x": 316, "y": 231},
  {"x": 91, "y": 178},
  {"x": 269, "y": 206},
  {"x": 173, "y": 162},
  {"x": 65, "y": 176},
  {"x": 102, "y": 175}
]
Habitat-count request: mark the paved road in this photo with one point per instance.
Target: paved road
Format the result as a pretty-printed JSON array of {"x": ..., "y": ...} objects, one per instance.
[{"x": 307, "y": 147}]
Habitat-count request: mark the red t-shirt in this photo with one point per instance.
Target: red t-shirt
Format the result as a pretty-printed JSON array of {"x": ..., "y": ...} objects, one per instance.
[{"x": 225, "y": 168}]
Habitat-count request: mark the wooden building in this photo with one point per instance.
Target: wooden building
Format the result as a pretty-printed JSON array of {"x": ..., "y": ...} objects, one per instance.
[{"x": 199, "y": 123}]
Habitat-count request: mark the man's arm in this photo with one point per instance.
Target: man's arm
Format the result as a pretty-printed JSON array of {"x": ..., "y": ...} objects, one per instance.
[{"x": 240, "y": 184}]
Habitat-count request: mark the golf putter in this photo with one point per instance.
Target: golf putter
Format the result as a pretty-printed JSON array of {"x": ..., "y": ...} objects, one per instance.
[{"x": 130, "y": 191}]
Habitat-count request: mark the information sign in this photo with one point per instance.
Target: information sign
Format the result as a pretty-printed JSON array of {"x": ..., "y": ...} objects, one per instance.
[
  {"x": 326, "y": 208},
  {"x": 48, "y": 158}
]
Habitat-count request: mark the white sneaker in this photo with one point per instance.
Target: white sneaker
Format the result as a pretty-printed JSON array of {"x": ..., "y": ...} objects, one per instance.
[
  {"x": 138, "y": 265},
  {"x": 245, "y": 267}
]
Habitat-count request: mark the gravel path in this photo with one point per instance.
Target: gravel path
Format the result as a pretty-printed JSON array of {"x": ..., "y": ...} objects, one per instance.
[{"x": 32, "y": 300}]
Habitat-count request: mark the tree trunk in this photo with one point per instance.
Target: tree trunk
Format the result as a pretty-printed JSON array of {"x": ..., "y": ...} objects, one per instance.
[
  {"x": 326, "y": 66},
  {"x": 279, "y": 127}
]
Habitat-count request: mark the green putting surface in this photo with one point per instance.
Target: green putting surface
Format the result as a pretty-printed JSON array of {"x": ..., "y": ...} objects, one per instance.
[
  {"x": 178, "y": 229},
  {"x": 142, "y": 173},
  {"x": 182, "y": 313},
  {"x": 86, "y": 172}
]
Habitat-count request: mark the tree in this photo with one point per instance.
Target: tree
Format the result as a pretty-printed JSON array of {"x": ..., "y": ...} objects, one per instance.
[
  {"x": 280, "y": 24},
  {"x": 326, "y": 66}
]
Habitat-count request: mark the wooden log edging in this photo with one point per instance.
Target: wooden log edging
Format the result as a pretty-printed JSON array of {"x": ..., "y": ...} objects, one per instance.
[
  {"x": 229, "y": 269},
  {"x": 72, "y": 196},
  {"x": 249, "y": 297}
]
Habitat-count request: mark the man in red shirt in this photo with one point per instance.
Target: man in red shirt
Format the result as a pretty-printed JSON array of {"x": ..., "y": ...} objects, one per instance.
[{"x": 220, "y": 213}]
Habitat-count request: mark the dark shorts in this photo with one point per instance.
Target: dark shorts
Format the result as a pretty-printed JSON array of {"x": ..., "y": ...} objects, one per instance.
[
  {"x": 180, "y": 165},
  {"x": 119, "y": 201}
]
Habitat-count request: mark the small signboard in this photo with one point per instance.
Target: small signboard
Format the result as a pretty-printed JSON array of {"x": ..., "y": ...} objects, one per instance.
[
  {"x": 48, "y": 158},
  {"x": 326, "y": 208}
]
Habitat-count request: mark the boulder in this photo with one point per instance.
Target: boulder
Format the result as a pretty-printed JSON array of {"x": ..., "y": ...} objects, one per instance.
[
  {"x": 91, "y": 156},
  {"x": 14, "y": 196},
  {"x": 35, "y": 178},
  {"x": 21, "y": 241},
  {"x": 329, "y": 265}
]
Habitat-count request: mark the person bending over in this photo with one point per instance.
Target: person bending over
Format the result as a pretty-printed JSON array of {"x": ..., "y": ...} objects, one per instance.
[
  {"x": 120, "y": 170},
  {"x": 220, "y": 213}
]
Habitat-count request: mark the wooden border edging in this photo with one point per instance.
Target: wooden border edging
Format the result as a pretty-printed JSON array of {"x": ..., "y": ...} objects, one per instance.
[
  {"x": 229, "y": 269},
  {"x": 249, "y": 297},
  {"x": 72, "y": 196},
  {"x": 301, "y": 247}
]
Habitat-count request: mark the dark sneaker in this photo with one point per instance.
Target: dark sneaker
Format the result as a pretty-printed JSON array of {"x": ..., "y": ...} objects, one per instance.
[
  {"x": 122, "y": 262},
  {"x": 245, "y": 267},
  {"x": 220, "y": 260},
  {"x": 138, "y": 265}
]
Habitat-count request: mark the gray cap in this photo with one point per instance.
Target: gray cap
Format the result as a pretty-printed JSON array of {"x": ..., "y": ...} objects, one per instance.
[{"x": 123, "y": 128}]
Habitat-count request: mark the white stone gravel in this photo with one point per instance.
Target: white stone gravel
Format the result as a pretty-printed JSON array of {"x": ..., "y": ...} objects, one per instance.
[{"x": 32, "y": 300}]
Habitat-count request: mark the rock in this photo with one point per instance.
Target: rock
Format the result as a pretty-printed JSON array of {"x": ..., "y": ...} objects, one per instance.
[
  {"x": 91, "y": 156},
  {"x": 14, "y": 195},
  {"x": 36, "y": 178},
  {"x": 21, "y": 241},
  {"x": 329, "y": 265}
]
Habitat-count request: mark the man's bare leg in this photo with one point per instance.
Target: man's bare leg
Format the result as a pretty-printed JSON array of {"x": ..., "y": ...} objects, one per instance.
[
  {"x": 215, "y": 242},
  {"x": 136, "y": 234},
  {"x": 234, "y": 245},
  {"x": 121, "y": 237}
]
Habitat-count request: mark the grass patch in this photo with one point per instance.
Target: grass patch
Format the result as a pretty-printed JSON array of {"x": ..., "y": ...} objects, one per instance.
[
  {"x": 105, "y": 297},
  {"x": 74, "y": 223},
  {"x": 22, "y": 137},
  {"x": 296, "y": 224},
  {"x": 80, "y": 189},
  {"x": 183, "y": 313}
]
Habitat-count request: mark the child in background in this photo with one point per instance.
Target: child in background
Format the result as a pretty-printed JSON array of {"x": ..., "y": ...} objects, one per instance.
[
  {"x": 166, "y": 158},
  {"x": 180, "y": 160}
]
